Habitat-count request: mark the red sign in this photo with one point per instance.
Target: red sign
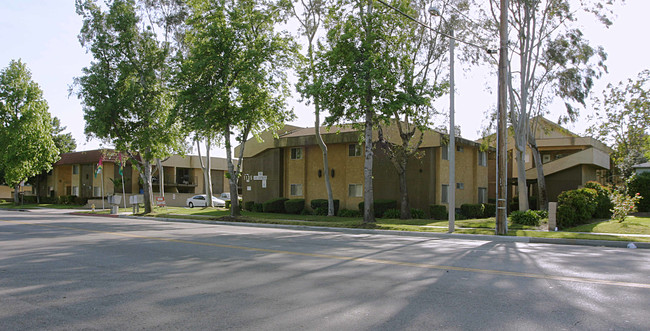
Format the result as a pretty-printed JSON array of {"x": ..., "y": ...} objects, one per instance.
[{"x": 160, "y": 201}]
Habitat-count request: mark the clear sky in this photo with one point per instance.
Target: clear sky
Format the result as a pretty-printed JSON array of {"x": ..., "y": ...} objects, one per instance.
[{"x": 43, "y": 33}]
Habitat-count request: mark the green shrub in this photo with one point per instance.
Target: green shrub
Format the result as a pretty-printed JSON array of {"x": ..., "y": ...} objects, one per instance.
[
  {"x": 392, "y": 213},
  {"x": 489, "y": 210},
  {"x": 575, "y": 207},
  {"x": 29, "y": 199},
  {"x": 349, "y": 213},
  {"x": 438, "y": 212},
  {"x": 294, "y": 206},
  {"x": 417, "y": 213},
  {"x": 305, "y": 211},
  {"x": 541, "y": 213},
  {"x": 274, "y": 205},
  {"x": 472, "y": 210},
  {"x": 248, "y": 205},
  {"x": 258, "y": 207},
  {"x": 641, "y": 184},
  {"x": 79, "y": 201},
  {"x": 528, "y": 217},
  {"x": 228, "y": 202},
  {"x": 603, "y": 202},
  {"x": 320, "y": 203},
  {"x": 381, "y": 206},
  {"x": 320, "y": 211}
]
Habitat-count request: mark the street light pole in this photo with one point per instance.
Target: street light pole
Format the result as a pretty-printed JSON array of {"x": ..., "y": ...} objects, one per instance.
[{"x": 451, "y": 195}]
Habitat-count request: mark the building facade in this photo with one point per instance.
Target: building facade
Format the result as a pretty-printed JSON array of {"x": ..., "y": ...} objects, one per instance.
[
  {"x": 569, "y": 161},
  {"x": 291, "y": 166},
  {"x": 76, "y": 174}
]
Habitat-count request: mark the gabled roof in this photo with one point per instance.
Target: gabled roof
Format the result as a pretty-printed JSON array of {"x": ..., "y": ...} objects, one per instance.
[
  {"x": 642, "y": 165},
  {"x": 92, "y": 156}
]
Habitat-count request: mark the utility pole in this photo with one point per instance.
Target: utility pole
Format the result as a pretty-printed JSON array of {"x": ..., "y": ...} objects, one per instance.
[{"x": 502, "y": 104}]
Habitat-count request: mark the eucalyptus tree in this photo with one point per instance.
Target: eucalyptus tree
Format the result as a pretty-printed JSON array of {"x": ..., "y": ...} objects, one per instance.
[
  {"x": 622, "y": 118},
  {"x": 311, "y": 15},
  {"x": 232, "y": 80},
  {"x": 549, "y": 58},
  {"x": 417, "y": 69},
  {"x": 125, "y": 91},
  {"x": 26, "y": 144}
]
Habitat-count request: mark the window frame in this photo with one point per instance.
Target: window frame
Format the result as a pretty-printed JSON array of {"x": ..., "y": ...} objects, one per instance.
[
  {"x": 357, "y": 187},
  {"x": 444, "y": 193},
  {"x": 444, "y": 152},
  {"x": 354, "y": 150},
  {"x": 297, "y": 155},
  {"x": 482, "y": 195},
  {"x": 295, "y": 190},
  {"x": 482, "y": 158}
]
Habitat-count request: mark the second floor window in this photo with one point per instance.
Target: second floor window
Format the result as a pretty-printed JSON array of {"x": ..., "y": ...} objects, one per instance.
[
  {"x": 296, "y": 153},
  {"x": 445, "y": 152},
  {"x": 354, "y": 150},
  {"x": 482, "y": 159}
]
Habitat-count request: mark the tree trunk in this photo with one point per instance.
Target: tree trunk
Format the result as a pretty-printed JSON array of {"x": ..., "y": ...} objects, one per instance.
[
  {"x": 542, "y": 195},
  {"x": 17, "y": 194},
  {"x": 522, "y": 189},
  {"x": 208, "y": 174},
  {"x": 405, "y": 211},
  {"x": 161, "y": 178},
  {"x": 232, "y": 177},
  {"x": 148, "y": 188},
  {"x": 368, "y": 194}
]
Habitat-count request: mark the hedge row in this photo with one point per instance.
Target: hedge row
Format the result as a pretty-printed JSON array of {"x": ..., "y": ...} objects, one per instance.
[
  {"x": 641, "y": 184},
  {"x": 380, "y": 206}
]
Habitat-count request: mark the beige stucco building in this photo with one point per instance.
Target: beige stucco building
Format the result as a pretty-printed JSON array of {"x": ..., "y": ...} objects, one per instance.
[
  {"x": 291, "y": 166},
  {"x": 74, "y": 174},
  {"x": 569, "y": 161}
]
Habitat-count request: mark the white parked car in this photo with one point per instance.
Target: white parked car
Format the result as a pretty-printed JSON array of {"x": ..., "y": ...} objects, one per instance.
[
  {"x": 201, "y": 201},
  {"x": 225, "y": 196}
]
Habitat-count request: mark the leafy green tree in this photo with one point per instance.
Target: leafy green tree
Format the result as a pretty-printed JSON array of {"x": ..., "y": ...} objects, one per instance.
[
  {"x": 311, "y": 18},
  {"x": 355, "y": 66},
  {"x": 125, "y": 90},
  {"x": 418, "y": 55},
  {"x": 26, "y": 145},
  {"x": 550, "y": 58},
  {"x": 622, "y": 118},
  {"x": 232, "y": 80},
  {"x": 63, "y": 141}
]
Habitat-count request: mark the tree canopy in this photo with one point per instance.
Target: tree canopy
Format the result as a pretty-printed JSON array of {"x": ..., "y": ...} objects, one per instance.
[
  {"x": 125, "y": 91},
  {"x": 26, "y": 145}
]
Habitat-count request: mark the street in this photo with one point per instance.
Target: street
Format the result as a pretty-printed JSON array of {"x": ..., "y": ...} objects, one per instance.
[{"x": 64, "y": 272}]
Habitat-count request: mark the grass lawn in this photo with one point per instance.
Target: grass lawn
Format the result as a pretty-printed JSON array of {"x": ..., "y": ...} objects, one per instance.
[
  {"x": 10, "y": 205},
  {"x": 632, "y": 225}
]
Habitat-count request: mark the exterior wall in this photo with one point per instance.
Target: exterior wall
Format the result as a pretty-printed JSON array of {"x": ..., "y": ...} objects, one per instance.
[
  {"x": 270, "y": 163},
  {"x": 565, "y": 180}
]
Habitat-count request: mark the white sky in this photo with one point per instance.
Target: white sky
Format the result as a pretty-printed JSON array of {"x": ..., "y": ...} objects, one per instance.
[{"x": 43, "y": 33}]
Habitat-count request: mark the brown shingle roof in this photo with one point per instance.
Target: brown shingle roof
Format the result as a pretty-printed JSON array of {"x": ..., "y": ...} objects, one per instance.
[{"x": 84, "y": 157}]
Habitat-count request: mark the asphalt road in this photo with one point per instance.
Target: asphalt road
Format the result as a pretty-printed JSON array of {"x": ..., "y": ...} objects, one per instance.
[{"x": 61, "y": 272}]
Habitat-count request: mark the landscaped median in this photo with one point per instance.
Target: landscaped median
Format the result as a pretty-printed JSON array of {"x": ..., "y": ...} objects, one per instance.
[{"x": 599, "y": 230}]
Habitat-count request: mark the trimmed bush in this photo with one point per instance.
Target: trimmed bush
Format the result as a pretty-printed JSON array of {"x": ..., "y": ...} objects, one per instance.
[
  {"x": 248, "y": 205},
  {"x": 417, "y": 213},
  {"x": 320, "y": 211},
  {"x": 603, "y": 202},
  {"x": 392, "y": 213},
  {"x": 541, "y": 213},
  {"x": 438, "y": 212},
  {"x": 528, "y": 217},
  {"x": 258, "y": 207},
  {"x": 294, "y": 206},
  {"x": 472, "y": 210},
  {"x": 29, "y": 199},
  {"x": 228, "y": 202},
  {"x": 349, "y": 213},
  {"x": 575, "y": 207},
  {"x": 274, "y": 205},
  {"x": 489, "y": 210},
  {"x": 305, "y": 211},
  {"x": 322, "y": 203},
  {"x": 641, "y": 184},
  {"x": 381, "y": 206}
]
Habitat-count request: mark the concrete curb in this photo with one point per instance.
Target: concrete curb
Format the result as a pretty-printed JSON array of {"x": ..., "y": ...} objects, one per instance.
[{"x": 495, "y": 238}]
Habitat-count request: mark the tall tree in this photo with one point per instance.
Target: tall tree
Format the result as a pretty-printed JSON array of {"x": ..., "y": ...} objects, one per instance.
[
  {"x": 354, "y": 62},
  {"x": 418, "y": 57},
  {"x": 549, "y": 58},
  {"x": 26, "y": 145},
  {"x": 63, "y": 141},
  {"x": 233, "y": 77},
  {"x": 623, "y": 120},
  {"x": 311, "y": 16},
  {"x": 125, "y": 91}
]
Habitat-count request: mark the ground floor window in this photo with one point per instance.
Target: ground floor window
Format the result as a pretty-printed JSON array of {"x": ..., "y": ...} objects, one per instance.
[
  {"x": 355, "y": 190},
  {"x": 482, "y": 195},
  {"x": 444, "y": 194},
  {"x": 296, "y": 190},
  {"x": 75, "y": 190}
]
